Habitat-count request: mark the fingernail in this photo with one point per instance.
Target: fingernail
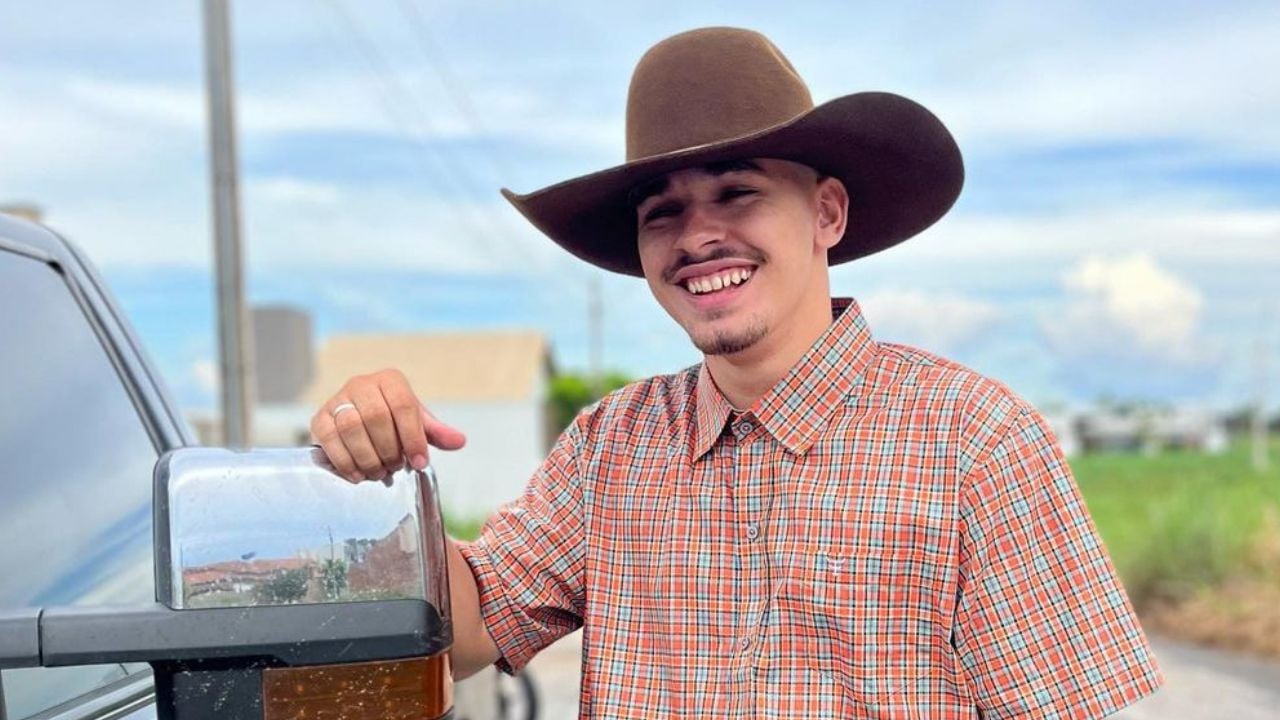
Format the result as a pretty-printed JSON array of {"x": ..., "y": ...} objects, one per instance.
[
  {"x": 419, "y": 462},
  {"x": 357, "y": 476}
]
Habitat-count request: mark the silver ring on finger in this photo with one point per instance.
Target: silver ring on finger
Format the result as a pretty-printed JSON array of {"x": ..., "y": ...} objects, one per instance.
[{"x": 340, "y": 408}]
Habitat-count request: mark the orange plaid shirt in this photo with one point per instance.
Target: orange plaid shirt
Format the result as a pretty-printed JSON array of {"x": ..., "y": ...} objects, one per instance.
[{"x": 885, "y": 534}]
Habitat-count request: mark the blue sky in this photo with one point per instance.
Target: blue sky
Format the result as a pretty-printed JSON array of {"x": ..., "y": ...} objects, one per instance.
[{"x": 1119, "y": 233}]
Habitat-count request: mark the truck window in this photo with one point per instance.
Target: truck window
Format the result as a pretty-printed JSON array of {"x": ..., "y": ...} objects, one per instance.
[{"x": 75, "y": 481}]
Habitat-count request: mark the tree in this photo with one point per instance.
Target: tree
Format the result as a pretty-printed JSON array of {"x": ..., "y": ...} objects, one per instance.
[
  {"x": 284, "y": 587},
  {"x": 570, "y": 392},
  {"x": 333, "y": 579}
]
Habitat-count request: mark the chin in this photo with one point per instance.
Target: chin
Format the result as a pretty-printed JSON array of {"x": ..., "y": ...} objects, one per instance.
[{"x": 729, "y": 341}]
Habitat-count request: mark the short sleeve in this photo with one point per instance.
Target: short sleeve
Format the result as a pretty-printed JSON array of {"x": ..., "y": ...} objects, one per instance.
[
  {"x": 528, "y": 560},
  {"x": 1043, "y": 627}
]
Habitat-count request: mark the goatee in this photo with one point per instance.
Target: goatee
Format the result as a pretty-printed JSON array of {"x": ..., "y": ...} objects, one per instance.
[{"x": 723, "y": 343}]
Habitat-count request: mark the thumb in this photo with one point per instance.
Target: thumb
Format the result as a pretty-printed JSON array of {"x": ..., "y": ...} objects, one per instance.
[{"x": 445, "y": 437}]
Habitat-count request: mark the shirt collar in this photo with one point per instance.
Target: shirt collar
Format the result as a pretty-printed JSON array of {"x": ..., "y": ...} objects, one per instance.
[
  {"x": 712, "y": 410},
  {"x": 797, "y": 408}
]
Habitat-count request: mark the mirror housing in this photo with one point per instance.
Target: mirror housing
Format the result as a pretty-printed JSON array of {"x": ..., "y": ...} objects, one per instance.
[
  {"x": 278, "y": 527},
  {"x": 282, "y": 591}
]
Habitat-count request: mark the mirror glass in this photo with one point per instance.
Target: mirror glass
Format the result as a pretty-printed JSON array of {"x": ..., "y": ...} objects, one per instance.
[{"x": 279, "y": 527}]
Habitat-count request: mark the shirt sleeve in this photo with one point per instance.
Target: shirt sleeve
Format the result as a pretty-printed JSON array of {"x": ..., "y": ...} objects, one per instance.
[
  {"x": 528, "y": 560},
  {"x": 1043, "y": 627}
]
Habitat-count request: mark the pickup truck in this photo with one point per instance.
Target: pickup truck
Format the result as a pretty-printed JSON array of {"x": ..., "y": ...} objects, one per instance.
[{"x": 86, "y": 419}]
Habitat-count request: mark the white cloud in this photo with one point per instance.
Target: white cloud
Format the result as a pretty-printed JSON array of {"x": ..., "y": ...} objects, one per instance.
[
  {"x": 937, "y": 322},
  {"x": 206, "y": 376},
  {"x": 1136, "y": 299},
  {"x": 539, "y": 116},
  {"x": 316, "y": 101},
  {"x": 291, "y": 191},
  {"x": 54, "y": 140},
  {"x": 1182, "y": 231},
  {"x": 150, "y": 104},
  {"x": 1108, "y": 73},
  {"x": 371, "y": 228},
  {"x": 1129, "y": 327}
]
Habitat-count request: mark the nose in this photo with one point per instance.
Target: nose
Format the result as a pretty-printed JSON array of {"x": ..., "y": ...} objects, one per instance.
[{"x": 700, "y": 229}]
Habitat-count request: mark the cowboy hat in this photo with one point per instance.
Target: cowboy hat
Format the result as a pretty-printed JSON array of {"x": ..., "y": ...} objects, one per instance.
[{"x": 717, "y": 94}]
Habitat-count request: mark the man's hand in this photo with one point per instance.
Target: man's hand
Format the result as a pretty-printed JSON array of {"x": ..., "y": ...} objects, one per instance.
[{"x": 370, "y": 427}]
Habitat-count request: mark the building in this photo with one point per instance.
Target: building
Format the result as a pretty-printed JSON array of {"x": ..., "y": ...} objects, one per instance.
[
  {"x": 1152, "y": 430},
  {"x": 492, "y": 385},
  {"x": 1065, "y": 429}
]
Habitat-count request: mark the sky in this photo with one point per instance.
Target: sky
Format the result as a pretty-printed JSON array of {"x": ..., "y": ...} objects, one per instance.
[{"x": 1118, "y": 235}]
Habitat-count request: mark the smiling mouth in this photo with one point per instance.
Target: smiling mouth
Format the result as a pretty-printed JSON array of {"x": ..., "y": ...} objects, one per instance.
[{"x": 716, "y": 282}]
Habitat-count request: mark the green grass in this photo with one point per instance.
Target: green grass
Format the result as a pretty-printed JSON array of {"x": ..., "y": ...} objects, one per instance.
[
  {"x": 463, "y": 527},
  {"x": 1179, "y": 521}
]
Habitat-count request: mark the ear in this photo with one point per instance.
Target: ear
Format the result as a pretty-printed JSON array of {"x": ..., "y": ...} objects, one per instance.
[{"x": 833, "y": 212}]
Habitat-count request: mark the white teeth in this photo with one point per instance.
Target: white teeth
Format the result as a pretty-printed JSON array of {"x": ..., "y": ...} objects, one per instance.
[{"x": 737, "y": 276}]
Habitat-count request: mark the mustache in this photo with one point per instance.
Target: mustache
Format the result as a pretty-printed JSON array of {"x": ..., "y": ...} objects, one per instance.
[{"x": 685, "y": 259}]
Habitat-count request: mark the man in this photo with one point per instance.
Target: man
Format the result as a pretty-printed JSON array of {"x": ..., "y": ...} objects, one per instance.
[{"x": 809, "y": 523}]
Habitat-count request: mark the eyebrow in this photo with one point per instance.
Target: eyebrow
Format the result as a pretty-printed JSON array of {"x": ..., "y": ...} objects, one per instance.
[{"x": 659, "y": 185}]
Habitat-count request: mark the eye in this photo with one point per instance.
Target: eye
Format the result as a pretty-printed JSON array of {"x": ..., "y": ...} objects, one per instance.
[
  {"x": 732, "y": 193},
  {"x": 662, "y": 210}
]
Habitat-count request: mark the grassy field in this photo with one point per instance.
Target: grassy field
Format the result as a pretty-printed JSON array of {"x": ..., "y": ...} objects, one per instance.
[
  {"x": 463, "y": 528},
  {"x": 1178, "y": 522}
]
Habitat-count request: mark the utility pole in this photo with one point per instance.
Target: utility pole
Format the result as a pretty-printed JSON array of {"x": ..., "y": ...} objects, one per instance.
[{"x": 233, "y": 336}]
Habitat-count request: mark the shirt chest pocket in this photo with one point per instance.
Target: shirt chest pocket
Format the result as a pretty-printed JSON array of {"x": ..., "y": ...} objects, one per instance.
[{"x": 865, "y": 619}]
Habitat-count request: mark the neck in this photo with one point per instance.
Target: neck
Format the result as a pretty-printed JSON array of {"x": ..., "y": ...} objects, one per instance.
[{"x": 745, "y": 377}]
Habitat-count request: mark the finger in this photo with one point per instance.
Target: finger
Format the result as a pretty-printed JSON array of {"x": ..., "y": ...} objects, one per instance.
[
  {"x": 324, "y": 432},
  {"x": 441, "y": 435},
  {"x": 379, "y": 428},
  {"x": 408, "y": 420},
  {"x": 351, "y": 430}
]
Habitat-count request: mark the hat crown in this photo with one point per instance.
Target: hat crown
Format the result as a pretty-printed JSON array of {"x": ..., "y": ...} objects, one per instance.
[{"x": 709, "y": 85}]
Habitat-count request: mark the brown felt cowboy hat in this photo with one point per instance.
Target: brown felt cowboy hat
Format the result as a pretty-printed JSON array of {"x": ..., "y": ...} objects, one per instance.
[{"x": 723, "y": 93}]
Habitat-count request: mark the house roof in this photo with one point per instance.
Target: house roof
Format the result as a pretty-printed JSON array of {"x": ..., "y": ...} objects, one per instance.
[{"x": 457, "y": 366}]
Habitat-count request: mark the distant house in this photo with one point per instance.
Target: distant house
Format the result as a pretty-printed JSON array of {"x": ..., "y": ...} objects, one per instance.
[
  {"x": 1153, "y": 430},
  {"x": 492, "y": 385},
  {"x": 1190, "y": 429},
  {"x": 1110, "y": 431},
  {"x": 237, "y": 576},
  {"x": 1066, "y": 428}
]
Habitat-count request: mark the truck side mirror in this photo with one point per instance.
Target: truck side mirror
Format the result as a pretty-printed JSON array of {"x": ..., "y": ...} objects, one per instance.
[{"x": 283, "y": 591}]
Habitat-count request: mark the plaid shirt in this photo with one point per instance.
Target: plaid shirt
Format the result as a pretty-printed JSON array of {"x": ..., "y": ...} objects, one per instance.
[{"x": 884, "y": 534}]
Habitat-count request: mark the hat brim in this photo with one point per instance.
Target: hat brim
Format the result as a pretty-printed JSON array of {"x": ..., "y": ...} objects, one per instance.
[{"x": 899, "y": 163}]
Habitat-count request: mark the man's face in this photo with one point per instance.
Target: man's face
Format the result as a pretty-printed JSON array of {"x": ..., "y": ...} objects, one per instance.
[{"x": 732, "y": 250}]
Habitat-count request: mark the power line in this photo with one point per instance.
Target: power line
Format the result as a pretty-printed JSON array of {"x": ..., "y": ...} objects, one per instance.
[
  {"x": 389, "y": 88},
  {"x": 457, "y": 91},
  {"x": 453, "y": 85},
  {"x": 403, "y": 109}
]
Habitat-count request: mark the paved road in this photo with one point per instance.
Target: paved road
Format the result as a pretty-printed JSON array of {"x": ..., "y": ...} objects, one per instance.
[
  {"x": 1200, "y": 684},
  {"x": 555, "y": 672},
  {"x": 1203, "y": 684}
]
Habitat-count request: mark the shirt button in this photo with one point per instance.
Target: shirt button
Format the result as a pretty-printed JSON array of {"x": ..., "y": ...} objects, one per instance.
[
  {"x": 744, "y": 643},
  {"x": 753, "y": 531},
  {"x": 744, "y": 428}
]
